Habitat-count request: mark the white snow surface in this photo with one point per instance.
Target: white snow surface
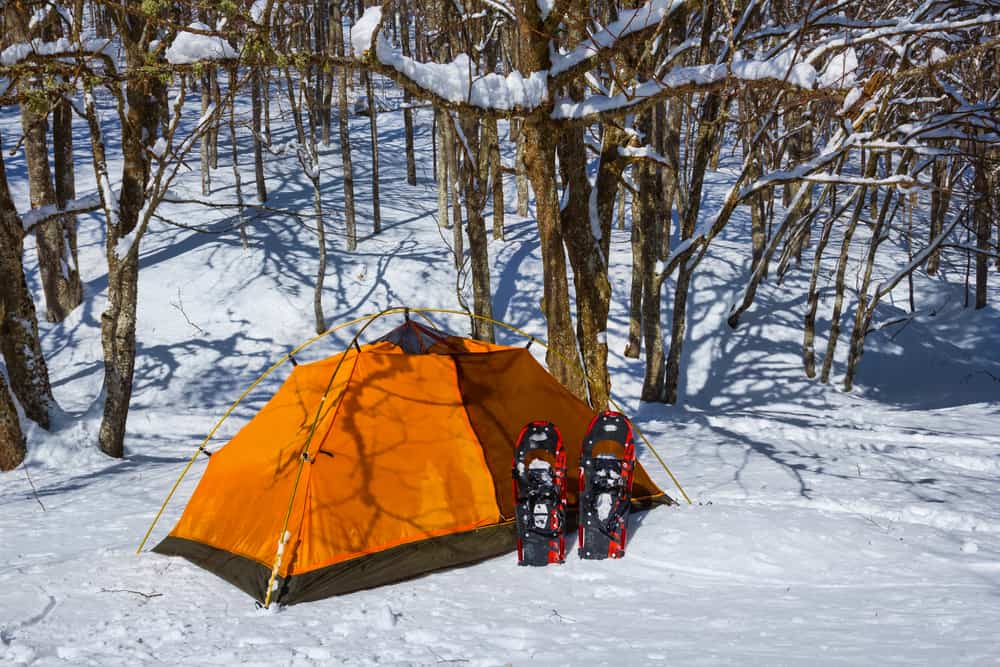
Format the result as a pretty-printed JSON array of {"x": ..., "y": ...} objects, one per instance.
[
  {"x": 189, "y": 47},
  {"x": 827, "y": 528}
]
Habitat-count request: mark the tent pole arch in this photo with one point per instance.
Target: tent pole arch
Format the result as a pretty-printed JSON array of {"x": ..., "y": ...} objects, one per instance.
[
  {"x": 281, "y": 361},
  {"x": 368, "y": 319},
  {"x": 304, "y": 454}
]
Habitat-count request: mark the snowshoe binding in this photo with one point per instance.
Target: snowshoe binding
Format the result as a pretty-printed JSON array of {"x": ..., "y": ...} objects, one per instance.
[
  {"x": 607, "y": 465},
  {"x": 539, "y": 473}
]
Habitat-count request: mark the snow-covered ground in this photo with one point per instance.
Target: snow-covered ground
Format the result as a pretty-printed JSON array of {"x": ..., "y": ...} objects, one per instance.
[{"x": 827, "y": 528}]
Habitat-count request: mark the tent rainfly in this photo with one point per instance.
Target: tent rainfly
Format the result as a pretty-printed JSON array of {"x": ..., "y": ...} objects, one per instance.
[{"x": 389, "y": 460}]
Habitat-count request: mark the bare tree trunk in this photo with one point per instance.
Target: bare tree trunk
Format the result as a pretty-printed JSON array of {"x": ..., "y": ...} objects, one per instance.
[
  {"x": 705, "y": 145},
  {"x": 521, "y": 175},
  {"x": 812, "y": 299},
  {"x": 840, "y": 287},
  {"x": 321, "y": 268},
  {"x": 938, "y": 209},
  {"x": 866, "y": 301},
  {"x": 49, "y": 235},
  {"x": 206, "y": 139},
  {"x": 258, "y": 152},
  {"x": 475, "y": 179},
  {"x": 22, "y": 350},
  {"x": 587, "y": 238},
  {"x": 213, "y": 77},
  {"x": 234, "y": 157},
  {"x": 647, "y": 231},
  {"x": 634, "y": 346},
  {"x": 539, "y": 136},
  {"x": 373, "y": 124},
  {"x": 118, "y": 344},
  {"x": 492, "y": 140},
  {"x": 346, "y": 163},
  {"x": 139, "y": 130},
  {"x": 441, "y": 167},
  {"x": 404, "y": 36},
  {"x": 336, "y": 24},
  {"x": 266, "y": 95},
  {"x": 12, "y": 444},
  {"x": 450, "y": 148},
  {"x": 981, "y": 220},
  {"x": 65, "y": 182},
  {"x": 562, "y": 357}
]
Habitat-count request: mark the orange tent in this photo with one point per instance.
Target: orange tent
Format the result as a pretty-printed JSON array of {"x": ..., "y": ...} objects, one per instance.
[{"x": 377, "y": 464}]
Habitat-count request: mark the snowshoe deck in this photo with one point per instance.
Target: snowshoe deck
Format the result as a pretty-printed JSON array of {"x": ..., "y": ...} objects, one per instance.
[
  {"x": 606, "y": 487},
  {"x": 539, "y": 473}
]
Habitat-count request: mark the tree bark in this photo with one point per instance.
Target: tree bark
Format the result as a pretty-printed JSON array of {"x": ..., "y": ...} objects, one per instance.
[
  {"x": 404, "y": 36},
  {"x": 205, "y": 155},
  {"x": 65, "y": 182},
  {"x": 13, "y": 448},
  {"x": 373, "y": 125},
  {"x": 19, "y": 341},
  {"x": 981, "y": 220},
  {"x": 476, "y": 177},
  {"x": 521, "y": 175},
  {"x": 705, "y": 145},
  {"x": 587, "y": 238},
  {"x": 258, "y": 147},
  {"x": 60, "y": 296},
  {"x": 441, "y": 167}
]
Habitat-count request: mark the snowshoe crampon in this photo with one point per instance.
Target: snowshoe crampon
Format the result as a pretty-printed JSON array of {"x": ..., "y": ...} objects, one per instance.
[
  {"x": 539, "y": 473},
  {"x": 607, "y": 465}
]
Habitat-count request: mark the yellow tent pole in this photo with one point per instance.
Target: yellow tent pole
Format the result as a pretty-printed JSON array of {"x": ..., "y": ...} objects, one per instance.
[
  {"x": 239, "y": 400},
  {"x": 283, "y": 537}
]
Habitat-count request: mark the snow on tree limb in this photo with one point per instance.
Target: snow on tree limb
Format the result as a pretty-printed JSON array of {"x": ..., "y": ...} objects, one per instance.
[
  {"x": 62, "y": 48},
  {"x": 37, "y": 216},
  {"x": 607, "y": 41},
  {"x": 190, "y": 47},
  {"x": 456, "y": 82},
  {"x": 780, "y": 70}
]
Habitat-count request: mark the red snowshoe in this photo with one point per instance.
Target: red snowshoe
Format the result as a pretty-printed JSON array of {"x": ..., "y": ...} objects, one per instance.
[
  {"x": 607, "y": 465},
  {"x": 539, "y": 473}
]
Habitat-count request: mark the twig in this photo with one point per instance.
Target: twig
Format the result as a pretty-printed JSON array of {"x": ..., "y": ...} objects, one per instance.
[
  {"x": 180, "y": 306},
  {"x": 126, "y": 590},
  {"x": 34, "y": 491}
]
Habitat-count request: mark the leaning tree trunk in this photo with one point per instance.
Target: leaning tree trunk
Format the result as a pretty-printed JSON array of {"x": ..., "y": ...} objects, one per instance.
[
  {"x": 12, "y": 444},
  {"x": 19, "y": 341},
  {"x": 705, "y": 145},
  {"x": 586, "y": 249}
]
